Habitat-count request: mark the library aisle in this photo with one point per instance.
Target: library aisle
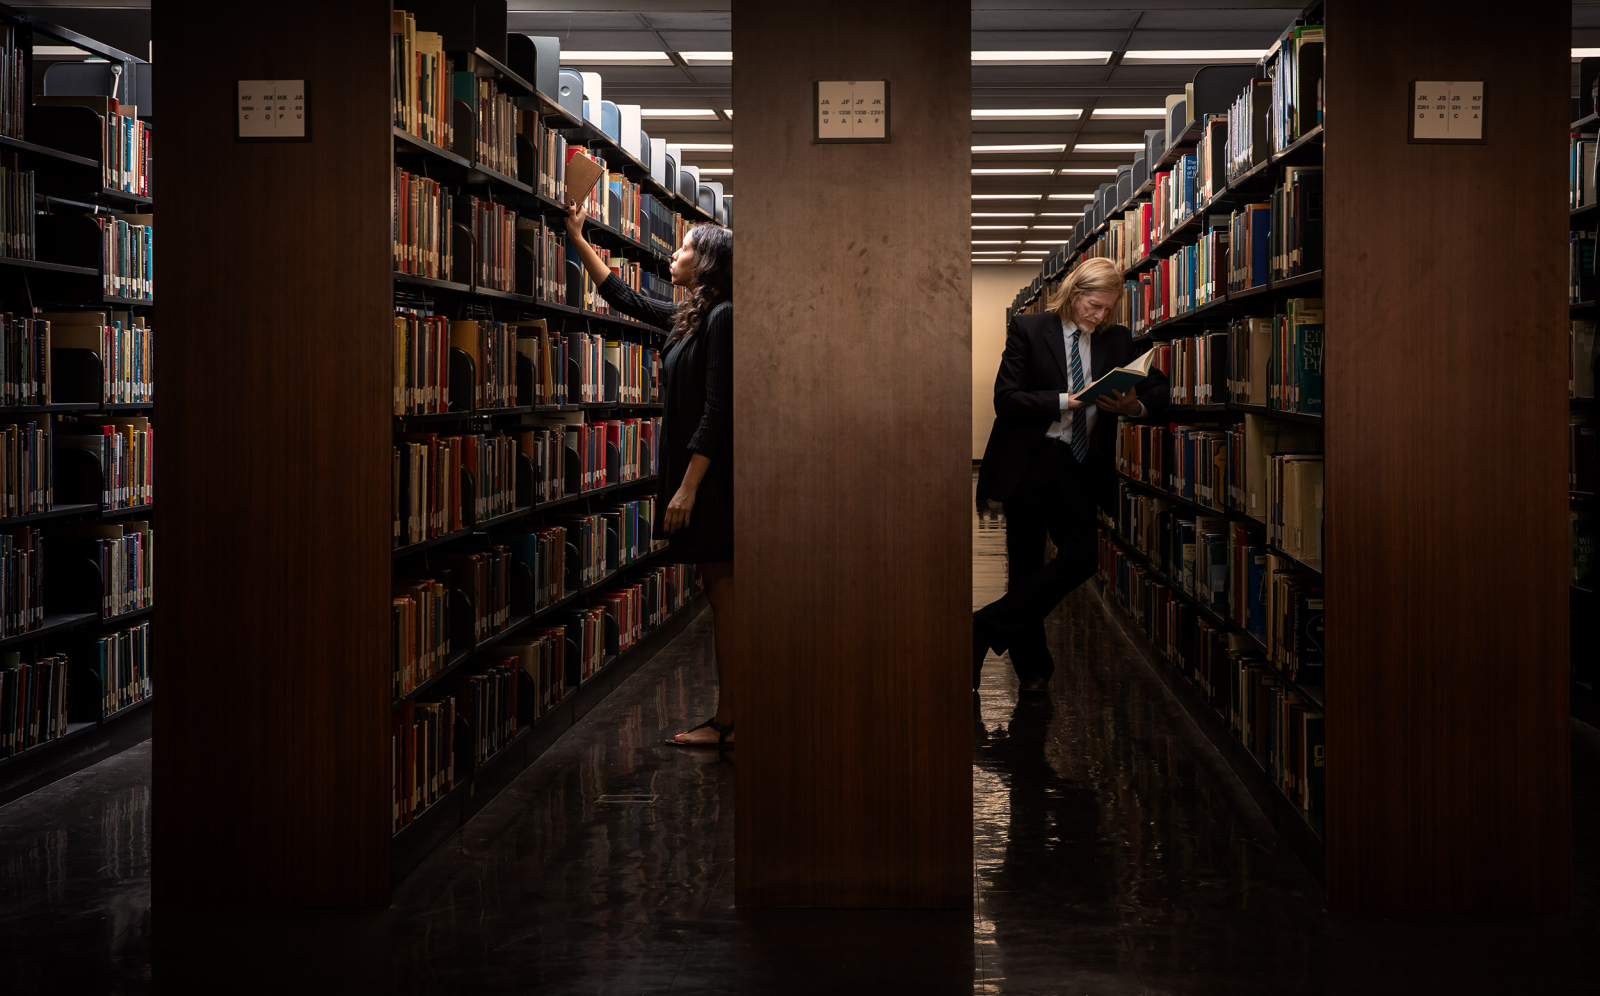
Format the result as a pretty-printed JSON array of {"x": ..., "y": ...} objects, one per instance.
[{"x": 1115, "y": 853}]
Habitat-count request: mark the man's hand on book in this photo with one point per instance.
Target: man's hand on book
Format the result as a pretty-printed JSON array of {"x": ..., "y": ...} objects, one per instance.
[{"x": 1118, "y": 403}]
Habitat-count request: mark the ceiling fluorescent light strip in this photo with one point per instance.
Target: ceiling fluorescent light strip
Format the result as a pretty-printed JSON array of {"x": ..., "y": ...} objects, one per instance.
[
  {"x": 1194, "y": 55},
  {"x": 706, "y": 58},
  {"x": 1027, "y": 113},
  {"x": 615, "y": 58},
  {"x": 1024, "y": 57}
]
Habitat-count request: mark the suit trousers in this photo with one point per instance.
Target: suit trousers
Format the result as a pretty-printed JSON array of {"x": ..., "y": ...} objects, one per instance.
[{"x": 1055, "y": 500}]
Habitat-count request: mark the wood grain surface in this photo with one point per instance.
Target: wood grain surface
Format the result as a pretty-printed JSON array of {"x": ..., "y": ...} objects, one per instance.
[
  {"x": 272, "y": 755},
  {"x": 1447, "y": 547},
  {"x": 852, "y": 410}
]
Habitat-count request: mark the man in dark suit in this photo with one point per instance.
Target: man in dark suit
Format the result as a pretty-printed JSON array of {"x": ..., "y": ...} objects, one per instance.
[{"x": 1051, "y": 459}]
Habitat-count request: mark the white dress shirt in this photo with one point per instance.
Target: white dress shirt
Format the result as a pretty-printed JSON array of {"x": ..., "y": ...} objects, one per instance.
[{"x": 1062, "y": 429}]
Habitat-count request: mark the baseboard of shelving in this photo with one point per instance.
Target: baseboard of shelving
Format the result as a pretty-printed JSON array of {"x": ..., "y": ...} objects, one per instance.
[
  {"x": 88, "y": 744},
  {"x": 1302, "y": 834},
  {"x": 424, "y": 835}
]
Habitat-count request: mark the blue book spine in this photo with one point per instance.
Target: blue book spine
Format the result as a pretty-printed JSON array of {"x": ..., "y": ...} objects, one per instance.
[
  {"x": 1260, "y": 245},
  {"x": 1309, "y": 342},
  {"x": 1190, "y": 167}
]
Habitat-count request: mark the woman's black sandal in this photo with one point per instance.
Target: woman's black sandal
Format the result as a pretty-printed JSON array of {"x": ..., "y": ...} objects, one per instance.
[{"x": 722, "y": 735}]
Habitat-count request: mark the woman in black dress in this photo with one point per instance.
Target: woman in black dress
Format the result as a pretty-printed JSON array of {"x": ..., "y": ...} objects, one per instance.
[{"x": 696, "y": 448}]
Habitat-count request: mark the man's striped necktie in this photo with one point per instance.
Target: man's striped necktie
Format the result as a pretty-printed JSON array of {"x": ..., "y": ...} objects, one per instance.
[{"x": 1080, "y": 416}]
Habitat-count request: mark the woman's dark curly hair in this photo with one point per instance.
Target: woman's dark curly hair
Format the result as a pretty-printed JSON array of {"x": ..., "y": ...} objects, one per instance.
[{"x": 713, "y": 277}]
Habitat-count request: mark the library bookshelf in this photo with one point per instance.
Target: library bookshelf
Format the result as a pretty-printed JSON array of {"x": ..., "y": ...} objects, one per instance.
[
  {"x": 75, "y": 677},
  {"x": 1584, "y": 309},
  {"x": 372, "y": 739},
  {"x": 1411, "y": 660}
]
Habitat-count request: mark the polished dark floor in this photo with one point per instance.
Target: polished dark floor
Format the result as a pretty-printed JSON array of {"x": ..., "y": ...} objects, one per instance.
[{"x": 1115, "y": 853}]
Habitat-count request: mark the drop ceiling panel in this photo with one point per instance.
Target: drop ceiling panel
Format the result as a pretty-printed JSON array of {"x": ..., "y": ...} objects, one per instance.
[{"x": 1053, "y": 20}]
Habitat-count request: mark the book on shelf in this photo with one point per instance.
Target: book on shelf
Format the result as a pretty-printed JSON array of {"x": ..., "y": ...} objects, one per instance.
[
  {"x": 1294, "y": 505},
  {"x": 1259, "y": 439},
  {"x": 1581, "y": 359},
  {"x": 22, "y": 581},
  {"x": 104, "y": 567},
  {"x": 1296, "y": 211},
  {"x": 109, "y": 673},
  {"x": 1581, "y": 523},
  {"x": 125, "y": 140},
  {"x": 422, "y": 757},
  {"x": 27, "y": 480},
  {"x": 25, "y": 369},
  {"x": 117, "y": 348},
  {"x": 486, "y": 698},
  {"x": 33, "y": 700},
  {"x": 1581, "y": 263},
  {"x": 110, "y": 462},
  {"x": 18, "y": 190},
  {"x": 423, "y": 82},
  {"x": 541, "y": 657},
  {"x": 419, "y": 629},
  {"x": 127, "y": 255}
]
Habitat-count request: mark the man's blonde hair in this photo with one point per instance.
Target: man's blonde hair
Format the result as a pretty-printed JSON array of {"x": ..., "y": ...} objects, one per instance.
[{"x": 1088, "y": 277}]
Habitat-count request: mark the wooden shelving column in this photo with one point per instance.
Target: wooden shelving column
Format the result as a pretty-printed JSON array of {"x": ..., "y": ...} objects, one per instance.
[{"x": 283, "y": 573}]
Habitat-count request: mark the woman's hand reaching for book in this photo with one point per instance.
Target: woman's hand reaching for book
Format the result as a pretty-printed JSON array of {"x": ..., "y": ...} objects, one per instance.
[{"x": 575, "y": 220}]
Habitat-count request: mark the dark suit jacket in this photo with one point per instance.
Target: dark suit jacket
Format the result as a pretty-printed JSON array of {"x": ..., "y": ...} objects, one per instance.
[{"x": 1027, "y": 398}]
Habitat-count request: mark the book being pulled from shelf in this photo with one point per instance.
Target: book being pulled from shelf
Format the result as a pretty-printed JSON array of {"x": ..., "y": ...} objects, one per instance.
[
  {"x": 33, "y": 701},
  {"x": 27, "y": 478},
  {"x": 110, "y": 673},
  {"x": 24, "y": 360},
  {"x": 127, "y": 256},
  {"x": 101, "y": 356}
]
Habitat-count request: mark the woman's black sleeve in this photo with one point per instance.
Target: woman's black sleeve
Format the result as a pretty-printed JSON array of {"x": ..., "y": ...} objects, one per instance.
[
  {"x": 714, "y": 436},
  {"x": 635, "y": 305}
]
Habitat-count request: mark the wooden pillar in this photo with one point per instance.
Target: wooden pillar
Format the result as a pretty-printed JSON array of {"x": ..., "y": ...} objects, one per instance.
[
  {"x": 1447, "y": 553},
  {"x": 272, "y": 753},
  {"x": 852, "y": 401}
]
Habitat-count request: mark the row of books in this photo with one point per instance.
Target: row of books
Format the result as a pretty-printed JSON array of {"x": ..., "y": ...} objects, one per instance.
[
  {"x": 493, "y": 229},
  {"x": 1296, "y": 614},
  {"x": 548, "y": 173},
  {"x": 124, "y": 552},
  {"x": 578, "y": 551},
  {"x": 419, "y": 630},
  {"x": 582, "y": 367},
  {"x": 33, "y": 701},
  {"x": 24, "y": 360},
  {"x": 123, "y": 344},
  {"x": 1277, "y": 361},
  {"x": 445, "y": 483},
  {"x": 599, "y": 454},
  {"x": 423, "y": 83},
  {"x": 1221, "y": 467},
  {"x": 18, "y": 190},
  {"x": 497, "y": 120},
  {"x": 518, "y": 682},
  {"x": 1582, "y": 531},
  {"x": 1581, "y": 456},
  {"x": 22, "y": 581},
  {"x": 1190, "y": 278},
  {"x": 111, "y": 673},
  {"x": 127, "y": 256},
  {"x": 1294, "y": 505},
  {"x": 547, "y": 245},
  {"x": 1296, "y": 209},
  {"x": 1196, "y": 368},
  {"x": 16, "y": 85},
  {"x": 424, "y": 223},
  {"x": 27, "y": 474},
  {"x": 1580, "y": 170},
  {"x": 1580, "y": 267},
  {"x": 1281, "y": 729},
  {"x": 120, "y": 453},
  {"x": 1294, "y": 65},
  {"x": 1581, "y": 359}
]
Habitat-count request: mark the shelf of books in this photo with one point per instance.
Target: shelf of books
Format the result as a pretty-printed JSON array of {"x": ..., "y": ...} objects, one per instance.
[
  {"x": 76, "y": 396},
  {"x": 1214, "y": 549},
  {"x": 1583, "y": 200},
  {"x": 526, "y": 571}
]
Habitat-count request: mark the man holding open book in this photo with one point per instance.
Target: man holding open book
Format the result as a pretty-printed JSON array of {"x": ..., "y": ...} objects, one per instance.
[{"x": 1065, "y": 374}]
